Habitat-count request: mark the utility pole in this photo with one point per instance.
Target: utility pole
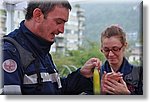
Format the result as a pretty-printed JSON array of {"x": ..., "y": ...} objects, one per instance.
[{"x": 10, "y": 17}]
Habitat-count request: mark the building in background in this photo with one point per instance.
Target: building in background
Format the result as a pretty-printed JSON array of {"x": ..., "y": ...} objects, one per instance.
[
  {"x": 11, "y": 14},
  {"x": 72, "y": 39},
  {"x": 136, "y": 55},
  {"x": 2, "y": 22}
]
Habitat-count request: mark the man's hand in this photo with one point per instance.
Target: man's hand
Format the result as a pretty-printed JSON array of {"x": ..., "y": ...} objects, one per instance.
[{"x": 87, "y": 69}]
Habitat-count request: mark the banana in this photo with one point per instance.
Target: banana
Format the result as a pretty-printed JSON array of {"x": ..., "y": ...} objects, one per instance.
[{"x": 96, "y": 82}]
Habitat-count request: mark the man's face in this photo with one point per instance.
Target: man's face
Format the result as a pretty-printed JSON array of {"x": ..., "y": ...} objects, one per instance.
[{"x": 53, "y": 24}]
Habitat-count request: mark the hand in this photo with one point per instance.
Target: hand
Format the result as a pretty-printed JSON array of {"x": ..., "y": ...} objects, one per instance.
[
  {"x": 87, "y": 69},
  {"x": 113, "y": 85},
  {"x": 113, "y": 75}
]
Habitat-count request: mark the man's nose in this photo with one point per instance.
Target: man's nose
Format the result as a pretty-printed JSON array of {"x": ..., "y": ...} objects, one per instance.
[{"x": 61, "y": 28}]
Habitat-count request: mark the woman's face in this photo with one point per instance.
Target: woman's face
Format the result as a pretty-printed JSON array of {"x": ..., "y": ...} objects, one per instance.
[{"x": 113, "y": 50}]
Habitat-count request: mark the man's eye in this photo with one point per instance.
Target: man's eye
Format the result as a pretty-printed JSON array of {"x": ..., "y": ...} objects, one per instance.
[{"x": 59, "y": 21}]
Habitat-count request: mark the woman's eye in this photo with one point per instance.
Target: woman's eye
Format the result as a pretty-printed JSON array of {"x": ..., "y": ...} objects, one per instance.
[
  {"x": 115, "y": 49},
  {"x": 106, "y": 49}
]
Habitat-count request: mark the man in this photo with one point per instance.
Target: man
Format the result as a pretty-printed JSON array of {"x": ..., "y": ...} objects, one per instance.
[{"x": 37, "y": 74}]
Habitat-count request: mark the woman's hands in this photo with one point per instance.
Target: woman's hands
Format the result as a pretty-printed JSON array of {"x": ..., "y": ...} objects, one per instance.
[{"x": 113, "y": 83}]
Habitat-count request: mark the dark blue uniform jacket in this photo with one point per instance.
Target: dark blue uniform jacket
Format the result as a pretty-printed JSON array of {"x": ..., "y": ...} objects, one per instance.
[
  {"x": 132, "y": 75},
  {"x": 40, "y": 76}
]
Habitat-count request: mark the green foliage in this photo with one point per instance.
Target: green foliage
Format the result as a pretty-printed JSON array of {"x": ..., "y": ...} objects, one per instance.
[
  {"x": 76, "y": 58},
  {"x": 136, "y": 62},
  {"x": 87, "y": 52}
]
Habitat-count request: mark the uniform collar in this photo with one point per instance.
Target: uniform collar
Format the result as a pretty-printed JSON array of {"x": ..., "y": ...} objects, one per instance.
[
  {"x": 125, "y": 67},
  {"x": 38, "y": 44}
]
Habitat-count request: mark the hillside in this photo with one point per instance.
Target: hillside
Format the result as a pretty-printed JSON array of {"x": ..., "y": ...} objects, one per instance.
[{"x": 100, "y": 15}]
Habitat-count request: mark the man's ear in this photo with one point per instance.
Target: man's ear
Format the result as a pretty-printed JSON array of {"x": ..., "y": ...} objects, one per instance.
[
  {"x": 38, "y": 15},
  {"x": 126, "y": 45}
]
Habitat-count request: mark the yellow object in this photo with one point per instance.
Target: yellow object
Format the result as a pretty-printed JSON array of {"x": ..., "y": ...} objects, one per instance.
[{"x": 96, "y": 82}]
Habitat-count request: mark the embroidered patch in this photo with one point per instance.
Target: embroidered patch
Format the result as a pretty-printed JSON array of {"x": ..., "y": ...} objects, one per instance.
[
  {"x": 9, "y": 65},
  {"x": 131, "y": 87}
]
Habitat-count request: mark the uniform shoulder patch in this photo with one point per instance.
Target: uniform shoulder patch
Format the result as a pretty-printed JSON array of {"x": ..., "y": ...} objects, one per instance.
[{"x": 9, "y": 65}]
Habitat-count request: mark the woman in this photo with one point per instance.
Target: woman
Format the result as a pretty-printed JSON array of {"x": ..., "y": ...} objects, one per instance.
[{"x": 118, "y": 75}]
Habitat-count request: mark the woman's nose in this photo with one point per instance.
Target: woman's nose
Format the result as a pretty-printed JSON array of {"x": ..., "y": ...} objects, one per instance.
[{"x": 110, "y": 53}]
